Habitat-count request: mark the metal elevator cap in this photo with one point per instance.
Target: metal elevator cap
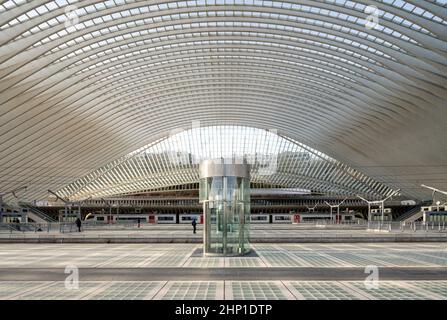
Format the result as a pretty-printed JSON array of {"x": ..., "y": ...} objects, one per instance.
[{"x": 224, "y": 168}]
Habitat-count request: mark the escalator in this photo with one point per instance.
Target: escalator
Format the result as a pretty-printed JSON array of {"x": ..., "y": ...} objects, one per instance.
[
  {"x": 414, "y": 213},
  {"x": 35, "y": 214}
]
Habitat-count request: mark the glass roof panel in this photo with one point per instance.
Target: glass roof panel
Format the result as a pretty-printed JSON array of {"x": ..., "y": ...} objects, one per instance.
[{"x": 274, "y": 159}]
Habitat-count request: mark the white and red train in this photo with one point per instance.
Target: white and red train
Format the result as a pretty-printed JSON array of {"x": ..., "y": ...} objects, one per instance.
[{"x": 255, "y": 218}]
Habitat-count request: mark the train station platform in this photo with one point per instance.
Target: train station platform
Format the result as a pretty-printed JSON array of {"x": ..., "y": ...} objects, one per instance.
[
  {"x": 179, "y": 271},
  {"x": 258, "y": 234}
]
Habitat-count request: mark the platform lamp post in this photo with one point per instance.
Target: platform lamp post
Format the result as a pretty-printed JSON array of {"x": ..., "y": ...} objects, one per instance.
[
  {"x": 110, "y": 208},
  {"x": 117, "y": 210},
  {"x": 335, "y": 206},
  {"x": 13, "y": 192},
  {"x": 66, "y": 202},
  {"x": 312, "y": 209},
  {"x": 380, "y": 203},
  {"x": 438, "y": 203},
  {"x": 434, "y": 192},
  {"x": 80, "y": 203}
]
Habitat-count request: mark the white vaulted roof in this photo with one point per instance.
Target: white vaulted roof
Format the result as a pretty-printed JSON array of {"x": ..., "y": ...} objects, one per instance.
[{"x": 83, "y": 83}]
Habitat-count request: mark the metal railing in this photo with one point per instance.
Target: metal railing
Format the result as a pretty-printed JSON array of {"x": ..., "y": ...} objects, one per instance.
[
  {"x": 7, "y": 228},
  {"x": 117, "y": 225},
  {"x": 63, "y": 227},
  {"x": 70, "y": 227},
  {"x": 29, "y": 227},
  {"x": 328, "y": 222},
  {"x": 401, "y": 226}
]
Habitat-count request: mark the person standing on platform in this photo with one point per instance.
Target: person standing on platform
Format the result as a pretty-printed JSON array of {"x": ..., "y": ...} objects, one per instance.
[
  {"x": 138, "y": 222},
  {"x": 78, "y": 224},
  {"x": 194, "y": 224}
]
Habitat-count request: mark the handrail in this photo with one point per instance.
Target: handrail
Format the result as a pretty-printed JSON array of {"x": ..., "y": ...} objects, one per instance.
[
  {"x": 8, "y": 227},
  {"x": 36, "y": 211},
  {"x": 401, "y": 226},
  {"x": 410, "y": 213}
]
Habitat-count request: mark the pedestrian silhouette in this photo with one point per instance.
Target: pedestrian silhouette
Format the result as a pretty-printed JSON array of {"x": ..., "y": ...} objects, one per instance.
[
  {"x": 194, "y": 224},
  {"x": 78, "y": 224}
]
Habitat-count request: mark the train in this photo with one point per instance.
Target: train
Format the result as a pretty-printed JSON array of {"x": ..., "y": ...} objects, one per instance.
[
  {"x": 8, "y": 215},
  {"x": 187, "y": 218},
  {"x": 150, "y": 218},
  {"x": 271, "y": 218},
  {"x": 376, "y": 214},
  {"x": 68, "y": 216},
  {"x": 434, "y": 214}
]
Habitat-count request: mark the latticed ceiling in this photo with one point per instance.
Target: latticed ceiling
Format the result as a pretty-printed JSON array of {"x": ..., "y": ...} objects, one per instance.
[
  {"x": 273, "y": 160},
  {"x": 85, "y": 82}
]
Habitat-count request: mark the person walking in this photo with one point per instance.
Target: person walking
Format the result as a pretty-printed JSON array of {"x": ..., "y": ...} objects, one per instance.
[
  {"x": 78, "y": 224},
  {"x": 194, "y": 224},
  {"x": 138, "y": 222}
]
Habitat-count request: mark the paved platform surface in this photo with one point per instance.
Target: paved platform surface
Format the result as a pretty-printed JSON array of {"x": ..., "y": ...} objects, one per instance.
[
  {"x": 189, "y": 256},
  {"x": 177, "y": 271},
  {"x": 210, "y": 274},
  {"x": 258, "y": 234},
  {"x": 224, "y": 290}
]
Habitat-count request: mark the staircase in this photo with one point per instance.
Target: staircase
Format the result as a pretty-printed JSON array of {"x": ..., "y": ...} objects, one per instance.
[
  {"x": 412, "y": 214},
  {"x": 414, "y": 217},
  {"x": 35, "y": 214}
]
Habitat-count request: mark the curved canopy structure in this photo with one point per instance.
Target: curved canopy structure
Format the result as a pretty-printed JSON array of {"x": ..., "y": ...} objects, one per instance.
[
  {"x": 86, "y": 82},
  {"x": 273, "y": 160}
]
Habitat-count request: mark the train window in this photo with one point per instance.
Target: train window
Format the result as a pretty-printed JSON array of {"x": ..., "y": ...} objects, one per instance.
[
  {"x": 100, "y": 218},
  {"x": 160, "y": 218},
  {"x": 254, "y": 218},
  {"x": 282, "y": 218},
  {"x": 188, "y": 218}
]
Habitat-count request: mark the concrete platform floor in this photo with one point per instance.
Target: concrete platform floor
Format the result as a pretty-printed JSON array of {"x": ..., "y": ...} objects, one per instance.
[
  {"x": 224, "y": 290},
  {"x": 177, "y": 271},
  {"x": 189, "y": 256},
  {"x": 258, "y": 234}
]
